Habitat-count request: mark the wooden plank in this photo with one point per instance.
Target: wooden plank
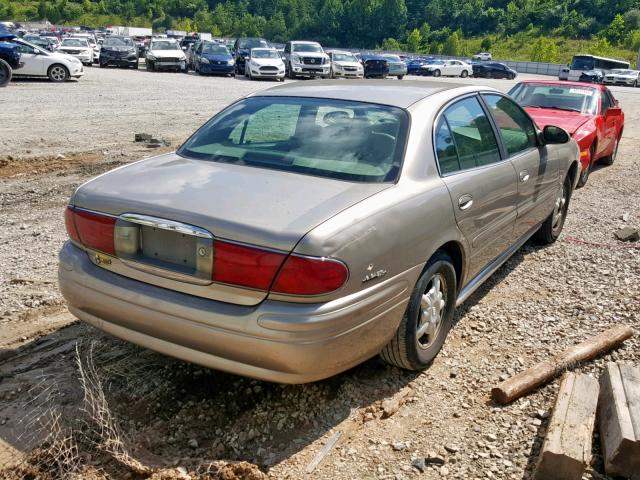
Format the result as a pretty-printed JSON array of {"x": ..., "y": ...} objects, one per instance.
[
  {"x": 541, "y": 373},
  {"x": 619, "y": 420},
  {"x": 566, "y": 451}
]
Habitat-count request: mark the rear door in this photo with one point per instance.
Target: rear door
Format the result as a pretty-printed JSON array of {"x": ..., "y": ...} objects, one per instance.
[
  {"x": 537, "y": 170},
  {"x": 482, "y": 185}
]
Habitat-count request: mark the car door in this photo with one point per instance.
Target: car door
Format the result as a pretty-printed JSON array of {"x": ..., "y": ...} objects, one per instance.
[
  {"x": 536, "y": 168},
  {"x": 455, "y": 68},
  {"x": 33, "y": 59},
  {"x": 482, "y": 185},
  {"x": 610, "y": 126}
]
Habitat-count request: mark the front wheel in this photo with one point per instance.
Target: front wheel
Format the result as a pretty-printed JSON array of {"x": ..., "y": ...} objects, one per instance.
[
  {"x": 550, "y": 230},
  {"x": 428, "y": 318},
  {"x": 400, "y": 77},
  {"x": 58, "y": 73},
  {"x": 5, "y": 73},
  {"x": 437, "y": 73}
]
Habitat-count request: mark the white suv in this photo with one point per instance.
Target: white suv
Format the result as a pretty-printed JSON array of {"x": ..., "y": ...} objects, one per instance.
[
  {"x": 482, "y": 56},
  {"x": 306, "y": 59}
]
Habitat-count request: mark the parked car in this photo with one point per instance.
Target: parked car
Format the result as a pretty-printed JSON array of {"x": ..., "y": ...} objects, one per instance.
[
  {"x": 344, "y": 65},
  {"x": 264, "y": 63},
  {"x": 482, "y": 56},
  {"x": 414, "y": 65},
  {"x": 267, "y": 245},
  {"x": 211, "y": 57},
  {"x": 630, "y": 78},
  {"x": 38, "y": 62},
  {"x": 165, "y": 54},
  {"x": 190, "y": 52},
  {"x": 9, "y": 57},
  {"x": 493, "y": 70},
  {"x": 91, "y": 40},
  {"x": 241, "y": 49},
  {"x": 590, "y": 114},
  {"x": 397, "y": 68},
  {"x": 447, "y": 68},
  {"x": 42, "y": 42},
  {"x": 78, "y": 48},
  {"x": 375, "y": 66},
  {"x": 306, "y": 59},
  {"x": 186, "y": 42},
  {"x": 118, "y": 51}
]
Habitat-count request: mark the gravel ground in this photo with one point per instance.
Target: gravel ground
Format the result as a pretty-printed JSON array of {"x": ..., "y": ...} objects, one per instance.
[{"x": 172, "y": 414}]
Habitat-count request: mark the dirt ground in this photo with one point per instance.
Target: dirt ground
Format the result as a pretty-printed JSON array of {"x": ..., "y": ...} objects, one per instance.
[{"x": 77, "y": 403}]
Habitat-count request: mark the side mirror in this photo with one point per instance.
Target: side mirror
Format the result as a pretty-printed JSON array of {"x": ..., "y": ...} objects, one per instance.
[
  {"x": 614, "y": 111},
  {"x": 553, "y": 135}
]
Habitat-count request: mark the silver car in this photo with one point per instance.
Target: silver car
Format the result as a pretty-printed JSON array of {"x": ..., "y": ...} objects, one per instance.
[{"x": 307, "y": 228}]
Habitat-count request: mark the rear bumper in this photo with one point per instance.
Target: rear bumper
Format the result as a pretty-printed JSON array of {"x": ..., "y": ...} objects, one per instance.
[{"x": 274, "y": 341}]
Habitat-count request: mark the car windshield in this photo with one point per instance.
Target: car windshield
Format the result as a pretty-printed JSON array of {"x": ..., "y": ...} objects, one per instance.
[
  {"x": 393, "y": 58},
  {"x": 74, "y": 42},
  {"x": 248, "y": 43},
  {"x": 265, "y": 54},
  {"x": 306, "y": 47},
  {"x": 582, "y": 63},
  {"x": 164, "y": 46},
  {"x": 214, "y": 49},
  {"x": 117, "y": 42},
  {"x": 344, "y": 140},
  {"x": 581, "y": 99},
  {"x": 344, "y": 57}
]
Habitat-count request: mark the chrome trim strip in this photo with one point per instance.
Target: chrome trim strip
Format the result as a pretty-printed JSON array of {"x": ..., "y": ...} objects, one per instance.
[{"x": 164, "y": 224}]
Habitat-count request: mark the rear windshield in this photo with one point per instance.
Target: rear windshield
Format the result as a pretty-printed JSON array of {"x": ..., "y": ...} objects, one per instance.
[
  {"x": 353, "y": 141},
  {"x": 575, "y": 98}
]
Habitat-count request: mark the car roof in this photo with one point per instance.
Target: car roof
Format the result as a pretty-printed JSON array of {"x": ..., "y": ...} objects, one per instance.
[
  {"x": 564, "y": 83},
  {"x": 386, "y": 92}
]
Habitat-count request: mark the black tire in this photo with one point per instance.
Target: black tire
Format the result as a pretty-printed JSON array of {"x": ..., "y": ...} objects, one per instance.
[
  {"x": 584, "y": 174},
  {"x": 58, "y": 73},
  {"x": 400, "y": 77},
  {"x": 464, "y": 74},
  {"x": 6, "y": 72},
  {"x": 609, "y": 159},
  {"x": 551, "y": 228},
  {"x": 136, "y": 66},
  {"x": 290, "y": 73},
  {"x": 437, "y": 73},
  {"x": 150, "y": 66},
  {"x": 407, "y": 351}
]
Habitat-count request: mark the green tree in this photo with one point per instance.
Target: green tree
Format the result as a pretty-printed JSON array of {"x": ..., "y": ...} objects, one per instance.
[
  {"x": 600, "y": 46},
  {"x": 485, "y": 45},
  {"x": 391, "y": 44},
  {"x": 276, "y": 28},
  {"x": 452, "y": 45},
  {"x": 414, "y": 41},
  {"x": 615, "y": 31},
  {"x": 42, "y": 10},
  {"x": 545, "y": 50}
]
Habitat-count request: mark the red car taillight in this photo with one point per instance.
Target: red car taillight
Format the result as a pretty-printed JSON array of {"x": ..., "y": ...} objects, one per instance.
[
  {"x": 93, "y": 230},
  {"x": 301, "y": 275},
  {"x": 256, "y": 268}
]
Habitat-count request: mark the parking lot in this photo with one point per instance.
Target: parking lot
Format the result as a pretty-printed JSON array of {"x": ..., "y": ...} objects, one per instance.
[{"x": 179, "y": 417}]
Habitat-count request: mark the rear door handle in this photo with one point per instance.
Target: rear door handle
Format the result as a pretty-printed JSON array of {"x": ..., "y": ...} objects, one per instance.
[
  {"x": 465, "y": 201},
  {"x": 524, "y": 176}
]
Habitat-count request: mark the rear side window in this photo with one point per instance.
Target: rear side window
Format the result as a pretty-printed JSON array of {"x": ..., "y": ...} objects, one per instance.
[
  {"x": 446, "y": 149},
  {"x": 472, "y": 135},
  {"x": 516, "y": 128},
  {"x": 346, "y": 140}
]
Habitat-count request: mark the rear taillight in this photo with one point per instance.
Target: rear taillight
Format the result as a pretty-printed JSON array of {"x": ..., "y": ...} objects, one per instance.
[
  {"x": 93, "y": 230},
  {"x": 302, "y": 275},
  {"x": 245, "y": 266}
]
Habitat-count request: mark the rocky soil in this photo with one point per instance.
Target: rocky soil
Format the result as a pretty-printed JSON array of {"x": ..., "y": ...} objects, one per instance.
[{"x": 176, "y": 420}]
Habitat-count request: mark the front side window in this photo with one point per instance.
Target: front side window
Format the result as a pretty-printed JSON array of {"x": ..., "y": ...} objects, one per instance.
[
  {"x": 516, "y": 128},
  {"x": 345, "y": 140},
  {"x": 472, "y": 134},
  {"x": 605, "y": 102}
]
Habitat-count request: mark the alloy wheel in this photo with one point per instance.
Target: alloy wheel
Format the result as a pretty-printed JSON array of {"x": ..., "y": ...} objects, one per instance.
[
  {"x": 432, "y": 307},
  {"x": 559, "y": 210},
  {"x": 58, "y": 74}
]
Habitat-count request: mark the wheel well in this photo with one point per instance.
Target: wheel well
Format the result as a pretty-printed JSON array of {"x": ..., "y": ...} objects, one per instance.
[
  {"x": 573, "y": 172},
  {"x": 455, "y": 251}
]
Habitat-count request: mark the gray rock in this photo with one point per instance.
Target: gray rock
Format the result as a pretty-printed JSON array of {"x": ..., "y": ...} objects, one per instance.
[
  {"x": 419, "y": 464},
  {"x": 628, "y": 234}
]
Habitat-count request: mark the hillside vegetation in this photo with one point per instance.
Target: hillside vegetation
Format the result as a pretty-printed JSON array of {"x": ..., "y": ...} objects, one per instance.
[{"x": 545, "y": 30}]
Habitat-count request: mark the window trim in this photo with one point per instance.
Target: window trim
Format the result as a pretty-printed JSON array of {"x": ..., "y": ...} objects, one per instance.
[
  {"x": 499, "y": 132},
  {"x": 440, "y": 114}
]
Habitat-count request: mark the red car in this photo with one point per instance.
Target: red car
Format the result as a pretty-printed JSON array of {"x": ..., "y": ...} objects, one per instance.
[{"x": 589, "y": 112}]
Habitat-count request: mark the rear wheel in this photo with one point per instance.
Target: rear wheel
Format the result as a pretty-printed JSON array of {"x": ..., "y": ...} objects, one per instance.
[
  {"x": 550, "y": 230},
  {"x": 150, "y": 66},
  {"x": 400, "y": 77},
  {"x": 58, "y": 73},
  {"x": 5, "y": 73},
  {"x": 464, "y": 74},
  {"x": 428, "y": 318},
  {"x": 609, "y": 159}
]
